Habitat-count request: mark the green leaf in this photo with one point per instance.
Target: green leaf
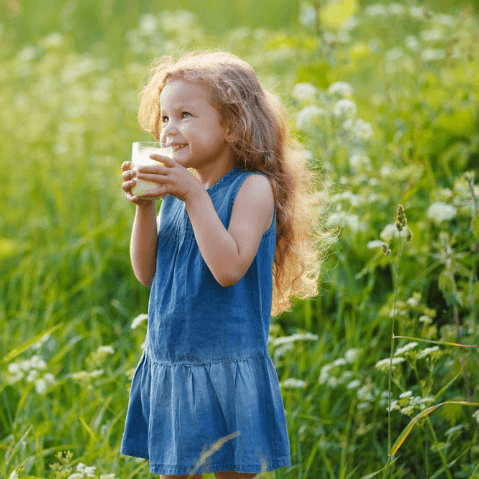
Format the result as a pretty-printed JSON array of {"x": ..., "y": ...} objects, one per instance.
[
  {"x": 402, "y": 437},
  {"x": 336, "y": 12},
  {"x": 314, "y": 73}
]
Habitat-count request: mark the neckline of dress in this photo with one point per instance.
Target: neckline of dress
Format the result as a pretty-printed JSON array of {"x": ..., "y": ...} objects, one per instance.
[{"x": 221, "y": 180}]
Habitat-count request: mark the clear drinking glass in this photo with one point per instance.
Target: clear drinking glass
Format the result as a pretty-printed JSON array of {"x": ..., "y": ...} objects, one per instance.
[{"x": 140, "y": 156}]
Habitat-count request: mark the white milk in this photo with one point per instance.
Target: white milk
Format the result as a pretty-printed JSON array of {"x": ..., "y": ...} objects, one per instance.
[{"x": 141, "y": 157}]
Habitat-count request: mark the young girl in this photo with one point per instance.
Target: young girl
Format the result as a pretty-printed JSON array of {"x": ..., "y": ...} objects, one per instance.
[{"x": 229, "y": 248}]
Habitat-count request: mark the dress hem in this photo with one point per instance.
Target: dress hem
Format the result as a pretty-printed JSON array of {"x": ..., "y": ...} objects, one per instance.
[{"x": 206, "y": 468}]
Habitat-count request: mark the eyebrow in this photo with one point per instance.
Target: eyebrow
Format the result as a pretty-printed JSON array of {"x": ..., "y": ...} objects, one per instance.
[{"x": 181, "y": 106}]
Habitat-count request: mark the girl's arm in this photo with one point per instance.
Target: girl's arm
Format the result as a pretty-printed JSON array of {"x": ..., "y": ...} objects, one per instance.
[
  {"x": 144, "y": 239},
  {"x": 229, "y": 253}
]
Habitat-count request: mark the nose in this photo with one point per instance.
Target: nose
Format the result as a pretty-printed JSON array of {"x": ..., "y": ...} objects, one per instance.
[{"x": 168, "y": 130}]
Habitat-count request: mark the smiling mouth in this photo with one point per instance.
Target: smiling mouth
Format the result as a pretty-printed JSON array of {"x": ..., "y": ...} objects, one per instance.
[{"x": 178, "y": 147}]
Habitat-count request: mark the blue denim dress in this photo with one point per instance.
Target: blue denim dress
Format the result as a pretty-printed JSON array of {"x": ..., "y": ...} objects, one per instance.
[{"x": 205, "y": 387}]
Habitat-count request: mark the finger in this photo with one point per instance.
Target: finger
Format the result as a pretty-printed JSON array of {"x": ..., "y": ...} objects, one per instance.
[
  {"x": 126, "y": 165},
  {"x": 163, "y": 159},
  {"x": 155, "y": 178},
  {"x": 128, "y": 185},
  {"x": 128, "y": 174}
]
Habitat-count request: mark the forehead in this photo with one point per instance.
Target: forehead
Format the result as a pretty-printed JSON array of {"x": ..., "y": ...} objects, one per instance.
[{"x": 179, "y": 90}]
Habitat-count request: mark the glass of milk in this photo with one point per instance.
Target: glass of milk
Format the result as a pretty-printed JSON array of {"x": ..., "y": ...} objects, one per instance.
[{"x": 140, "y": 156}]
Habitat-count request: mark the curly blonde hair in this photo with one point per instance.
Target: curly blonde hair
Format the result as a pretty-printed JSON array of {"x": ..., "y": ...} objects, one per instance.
[{"x": 263, "y": 144}]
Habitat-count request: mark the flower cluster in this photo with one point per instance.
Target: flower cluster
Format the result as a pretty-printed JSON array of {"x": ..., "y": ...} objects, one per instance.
[
  {"x": 409, "y": 405},
  {"x": 31, "y": 370}
]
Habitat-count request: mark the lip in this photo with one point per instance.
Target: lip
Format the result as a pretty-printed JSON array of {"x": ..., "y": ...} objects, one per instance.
[{"x": 176, "y": 146}]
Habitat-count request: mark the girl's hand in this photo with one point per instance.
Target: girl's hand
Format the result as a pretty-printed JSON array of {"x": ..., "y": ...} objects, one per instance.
[
  {"x": 129, "y": 181},
  {"x": 172, "y": 178}
]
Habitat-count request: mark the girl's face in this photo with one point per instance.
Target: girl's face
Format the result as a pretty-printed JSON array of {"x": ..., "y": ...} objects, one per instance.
[{"x": 193, "y": 124}]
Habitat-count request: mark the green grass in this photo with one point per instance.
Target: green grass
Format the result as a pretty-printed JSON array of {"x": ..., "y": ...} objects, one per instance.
[{"x": 68, "y": 121}]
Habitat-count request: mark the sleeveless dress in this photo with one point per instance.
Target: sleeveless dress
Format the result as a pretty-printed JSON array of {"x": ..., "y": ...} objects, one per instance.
[{"x": 205, "y": 388}]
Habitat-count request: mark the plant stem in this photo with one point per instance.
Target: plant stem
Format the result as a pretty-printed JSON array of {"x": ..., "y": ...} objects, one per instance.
[{"x": 386, "y": 474}]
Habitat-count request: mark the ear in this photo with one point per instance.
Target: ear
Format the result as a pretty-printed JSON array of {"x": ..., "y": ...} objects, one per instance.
[{"x": 230, "y": 135}]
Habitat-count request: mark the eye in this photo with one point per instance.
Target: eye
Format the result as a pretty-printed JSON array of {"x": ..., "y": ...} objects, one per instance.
[
  {"x": 164, "y": 119},
  {"x": 186, "y": 113}
]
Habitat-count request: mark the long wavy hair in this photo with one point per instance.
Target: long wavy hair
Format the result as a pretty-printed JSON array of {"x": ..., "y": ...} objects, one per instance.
[{"x": 263, "y": 144}]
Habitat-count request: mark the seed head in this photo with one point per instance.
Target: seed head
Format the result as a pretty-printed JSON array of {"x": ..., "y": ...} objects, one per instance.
[{"x": 402, "y": 221}]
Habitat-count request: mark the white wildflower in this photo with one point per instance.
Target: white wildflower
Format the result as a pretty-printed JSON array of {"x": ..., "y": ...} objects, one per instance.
[
  {"x": 412, "y": 43},
  {"x": 425, "y": 319},
  {"x": 440, "y": 211},
  {"x": 293, "y": 383},
  {"x": 280, "y": 351},
  {"x": 304, "y": 92},
  {"x": 431, "y": 35},
  {"x": 476, "y": 416},
  {"x": 360, "y": 160},
  {"x": 375, "y": 10},
  {"x": 453, "y": 430},
  {"x": 444, "y": 19},
  {"x": 390, "y": 231},
  {"x": 352, "y": 355},
  {"x": 308, "y": 116},
  {"x": 413, "y": 302},
  {"x": 351, "y": 22},
  {"x": 295, "y": 337},
  {"x": 432, "y": 54},
  {"x": 32, "y": 375},
  {"x": 138, "y": 320},
  {"x": 416, "y": 12},
  {"x": 394, "y": 54},
  {"x": 53, "y": 40},
  {"x": 408, "y": 411},
  {"x": 308, "y": 15},
  {"x": 383, "y": 364},
  {"x": 103, "y": 350},
  {"x": 339, "y": 362},
  {"x": 332, "y": 382},
  {"x": 375, "y": 244},
  {"x": 426, "y": 352},
  {"x": 364, "y": 393},
  {"x": 341, "y": 89},
  {"x": 76, "y": 475},
  {"x": 394, "y": 406},
  {"x": 41, "y": 386},
  {"x": 345, "y": 110},
  {"x": 355, "y": 383},
  {"x": 148, "y": 24},
  {"x": 344, "y": 219},
  {"x": 397, "y": 8},
  {"x": 90, "y": 471},
  {"x": 405, "y": 394},
  {"x": 27, "y": 54},
  {"x": 405, "y": 348},
  {"x": 81, "y": 467},
  {"x": 13, "y": 475},
  {"x": 364, "y": 131}
]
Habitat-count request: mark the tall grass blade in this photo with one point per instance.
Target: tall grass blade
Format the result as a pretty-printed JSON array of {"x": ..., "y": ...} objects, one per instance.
[
  {"x": 380, "y": 470},
  {"x": 447, "y": 466},
  {"x": 446, "y": 343},
  {"x": 21, "y": 349},
  {"x": 422, "y": 414}
]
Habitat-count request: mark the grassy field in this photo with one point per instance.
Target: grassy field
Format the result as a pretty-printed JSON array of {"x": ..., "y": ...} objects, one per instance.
[{"x": 386, "y": 104}]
